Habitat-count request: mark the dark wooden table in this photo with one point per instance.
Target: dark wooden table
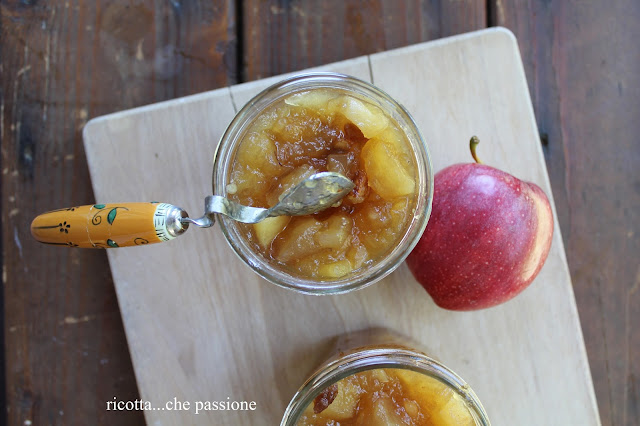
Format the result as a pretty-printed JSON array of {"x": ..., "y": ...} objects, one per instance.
[{"x": 64, "y": 62}]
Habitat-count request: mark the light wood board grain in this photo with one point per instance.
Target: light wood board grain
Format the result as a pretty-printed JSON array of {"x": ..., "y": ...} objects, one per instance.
[{"x": 201, "y": 326}]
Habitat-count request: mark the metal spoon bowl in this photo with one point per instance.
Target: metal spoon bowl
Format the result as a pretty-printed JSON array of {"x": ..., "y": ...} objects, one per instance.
[{"x": 314, "y": 194}]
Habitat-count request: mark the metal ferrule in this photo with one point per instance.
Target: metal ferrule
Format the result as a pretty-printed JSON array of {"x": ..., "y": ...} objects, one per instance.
[{"x": 174, "y": 221}]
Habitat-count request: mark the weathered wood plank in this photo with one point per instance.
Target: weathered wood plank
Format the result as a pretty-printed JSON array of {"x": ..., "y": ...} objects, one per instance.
[
  {"x": 582, "y": 62},
  {"x": 64, "y": 62},
  {"x": 283, "y": 36}
]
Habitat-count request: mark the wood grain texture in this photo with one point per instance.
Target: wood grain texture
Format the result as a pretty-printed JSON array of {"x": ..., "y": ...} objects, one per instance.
[
  {"x": 64, "y": 62},
  {"x": 582, "y": 62},
  {"x": 282, "y": 36},
  {"x": 581, "y": 111},
  {"x": 214, "y": 329}
]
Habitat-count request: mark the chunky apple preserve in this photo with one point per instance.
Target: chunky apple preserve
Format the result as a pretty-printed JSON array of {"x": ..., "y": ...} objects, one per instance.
[
  {"x": 327, "y": 130},
  {"x": 387, "y": 397}
]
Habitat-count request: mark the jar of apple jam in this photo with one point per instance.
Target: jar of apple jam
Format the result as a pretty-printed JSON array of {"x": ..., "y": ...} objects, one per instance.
[
  {"x": 387, "y": 383},
  {"x": 326, "y": 122}
]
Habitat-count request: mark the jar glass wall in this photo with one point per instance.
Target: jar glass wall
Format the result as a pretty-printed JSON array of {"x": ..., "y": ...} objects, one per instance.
[
  {"x": 386, "y": 351},
  {"x": 229, "y": 150}
]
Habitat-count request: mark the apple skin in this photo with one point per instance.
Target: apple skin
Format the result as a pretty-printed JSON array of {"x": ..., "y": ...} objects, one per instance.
[{"x": 487, "y": 238}]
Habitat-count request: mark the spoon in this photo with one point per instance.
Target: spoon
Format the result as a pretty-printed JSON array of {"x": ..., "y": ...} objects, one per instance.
[
  {"x": 313, "y": 194},
  {"x": 131, "y": 224}
]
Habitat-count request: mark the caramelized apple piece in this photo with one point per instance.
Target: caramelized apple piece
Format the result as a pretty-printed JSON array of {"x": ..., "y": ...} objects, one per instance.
[
  {"x": 315, "y": 99},
  {"x": 367, "y": 117},
  {"x": 336, "y": 232},
  {"x": 382, "y": 413},
  {"x": 340, "y": 163},
  {"x": 453, "y": 413},
  {"x": 357, "y": 254},
  {"x": 411, "y": 407},
  {"x": 380, "y": 375},
  {"x": 399, "y": 214},
  {"x": 335, "y": 270},
  {"x": 346, "y": 402},
  {"x": 428, "y": 392},
  {"x": 309, "y": 266},
  {"x": 259, "y": 152},
  {"x": 388, "y": 175},
  {"x": 376, "y": 215},
  {"x": 269, "y": 228},
  {"x": 245, "y": 181},
  {"x": 266, "y": 120},
  {"x": 398, "y": 142},
  {"x": 299, "y": 241}
]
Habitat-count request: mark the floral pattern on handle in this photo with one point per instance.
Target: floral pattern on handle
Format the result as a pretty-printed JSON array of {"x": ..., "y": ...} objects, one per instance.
[
  {"x": 111, "y": 216},
  {"x": 103, "y": 225}
]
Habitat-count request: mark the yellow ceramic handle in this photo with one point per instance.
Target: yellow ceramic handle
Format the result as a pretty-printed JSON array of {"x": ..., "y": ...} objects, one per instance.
[{"x": 109, "y": 225}]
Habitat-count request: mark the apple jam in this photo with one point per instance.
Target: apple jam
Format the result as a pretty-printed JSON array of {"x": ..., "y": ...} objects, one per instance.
[
  {"x": 326, "y": 130},
  {"x": 387, "y": 397}
]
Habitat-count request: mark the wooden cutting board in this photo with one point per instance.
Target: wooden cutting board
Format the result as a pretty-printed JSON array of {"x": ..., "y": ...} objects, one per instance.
[{"x": 202, "y": 327}]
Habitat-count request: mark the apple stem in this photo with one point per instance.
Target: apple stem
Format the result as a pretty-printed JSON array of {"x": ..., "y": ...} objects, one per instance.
[{"x": 472, "y": 146}]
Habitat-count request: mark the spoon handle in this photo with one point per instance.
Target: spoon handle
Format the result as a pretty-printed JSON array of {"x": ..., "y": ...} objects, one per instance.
[
  {"x": 222, "y": 205},
  {"x": 109, "y": 225}
]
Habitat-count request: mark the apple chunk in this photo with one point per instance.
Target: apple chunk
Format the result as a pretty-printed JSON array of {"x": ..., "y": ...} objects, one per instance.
[
  {"x": 346, "y": 402},
  {"x": 299, "y": 242},
  {"x": 315, "y": 99},
  {"x": 368, "y": 118},
  {"x": 269, "y": 228},
  {"x": 428, "y": 392},
  {"x": 387, "y": 173},
  {"x": 382, "y": 413},
  {"x": 336, "y": 269},
  {"x": 246, "y": 179},
  {"x": 453, "y": 413},
  {"x": 259, "y": 152},
  {"x": 335, "y": 233}
]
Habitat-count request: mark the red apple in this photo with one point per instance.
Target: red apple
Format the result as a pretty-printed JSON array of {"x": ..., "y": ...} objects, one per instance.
[{"x": 488, "y": 236}]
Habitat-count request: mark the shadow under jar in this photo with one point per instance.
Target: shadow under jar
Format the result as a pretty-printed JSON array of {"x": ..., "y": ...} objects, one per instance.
[
  {"x": 326, "y": 122},
  {"x": 378, "y": 378}
]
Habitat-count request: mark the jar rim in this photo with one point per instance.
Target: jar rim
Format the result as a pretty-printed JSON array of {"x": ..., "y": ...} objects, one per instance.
[{"x": 383, "y": 266}]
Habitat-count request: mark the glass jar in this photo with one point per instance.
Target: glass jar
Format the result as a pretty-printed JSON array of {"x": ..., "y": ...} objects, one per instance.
[
  {"x": 239, "y": 128},
  {"x": 373, "y": 349}
]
